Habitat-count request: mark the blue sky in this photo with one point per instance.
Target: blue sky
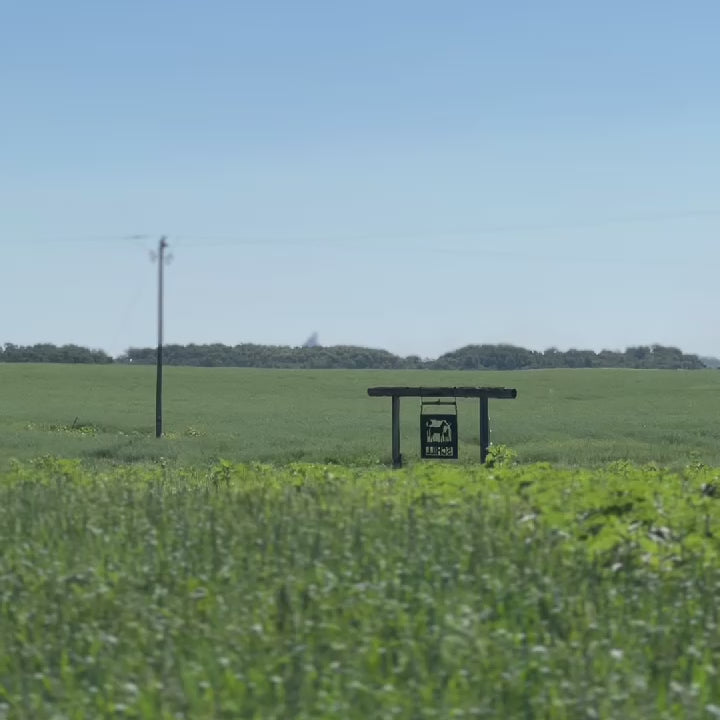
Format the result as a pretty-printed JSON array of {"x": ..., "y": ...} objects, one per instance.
[{"x": 408, "y": 175}]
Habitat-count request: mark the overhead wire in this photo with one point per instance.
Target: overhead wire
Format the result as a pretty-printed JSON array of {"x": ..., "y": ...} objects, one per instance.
[
  {"x": 451, "y": 240},
  {"x": 213, "y": 240},
  {"x": 207, "y": 240},
  {"x": 493, "y": 241}
]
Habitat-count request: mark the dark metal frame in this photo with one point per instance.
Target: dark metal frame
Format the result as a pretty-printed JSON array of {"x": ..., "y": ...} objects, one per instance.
[{"x": 482, "y": 393}]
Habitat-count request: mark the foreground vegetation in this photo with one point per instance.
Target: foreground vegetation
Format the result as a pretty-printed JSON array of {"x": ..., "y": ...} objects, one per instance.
[
  {"x": 320, "y": 592},
  {"x": 106, "y": 414}
]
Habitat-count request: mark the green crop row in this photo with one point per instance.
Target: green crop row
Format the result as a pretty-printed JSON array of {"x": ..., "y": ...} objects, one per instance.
[
  {"x": 307, "y": 591},
  {"x": 105, "y": 414}
]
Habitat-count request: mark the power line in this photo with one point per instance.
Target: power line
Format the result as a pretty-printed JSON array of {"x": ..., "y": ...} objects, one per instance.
[
  {"x": 499, "y": 249},
  {"x": 385, "y": 244},
  {"x": 81, "y": 239},
  {"x": 650, "y": 218},
  {"x": 213, "y": 240}
]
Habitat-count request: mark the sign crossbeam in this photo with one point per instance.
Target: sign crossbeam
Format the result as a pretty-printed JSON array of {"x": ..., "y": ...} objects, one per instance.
[
  {"x": 476, "y": 392},
  {"x": 484, "y": 394}
]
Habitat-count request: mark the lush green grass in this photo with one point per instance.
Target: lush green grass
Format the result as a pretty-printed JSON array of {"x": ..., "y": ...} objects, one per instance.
[
  {"x": 311, "y": 592},
  {"x": 563, "y": 416},
  {"x": 147, "y": 580}
]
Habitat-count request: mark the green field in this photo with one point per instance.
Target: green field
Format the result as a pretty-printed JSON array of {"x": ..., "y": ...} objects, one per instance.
[
  {"x": 261, "y": 561},
  {"x": 569, "y": 417},
  {"x": 310, "y": 592}
]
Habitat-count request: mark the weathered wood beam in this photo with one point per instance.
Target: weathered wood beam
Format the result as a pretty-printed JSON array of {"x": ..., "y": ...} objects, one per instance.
[{"x": 478, "y": 392}]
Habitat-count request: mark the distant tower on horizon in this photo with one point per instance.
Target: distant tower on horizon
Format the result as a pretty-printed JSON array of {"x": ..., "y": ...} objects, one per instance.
[{"x": 312, "y": 341}]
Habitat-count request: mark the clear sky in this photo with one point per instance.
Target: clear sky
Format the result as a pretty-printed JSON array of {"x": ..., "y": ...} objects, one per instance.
[{"x": 401, "y": 174}]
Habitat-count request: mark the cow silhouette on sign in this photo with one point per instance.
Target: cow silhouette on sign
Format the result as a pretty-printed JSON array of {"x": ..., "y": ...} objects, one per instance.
[{"x": 438, "y": 431}]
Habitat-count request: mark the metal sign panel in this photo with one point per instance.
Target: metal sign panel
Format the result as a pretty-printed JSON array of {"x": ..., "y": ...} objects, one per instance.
[{"x": 438, "y": 436}]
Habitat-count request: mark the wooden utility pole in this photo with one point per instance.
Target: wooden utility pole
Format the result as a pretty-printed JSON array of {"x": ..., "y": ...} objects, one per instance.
[{"x": 159, "y": 380}]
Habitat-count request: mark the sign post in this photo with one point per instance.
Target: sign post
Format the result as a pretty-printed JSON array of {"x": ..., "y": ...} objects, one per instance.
[{"x": 439, "y": 431}]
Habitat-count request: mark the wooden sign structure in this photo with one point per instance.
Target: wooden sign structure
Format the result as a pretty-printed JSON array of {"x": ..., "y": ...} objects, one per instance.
[{"x": 482, "y": 393}]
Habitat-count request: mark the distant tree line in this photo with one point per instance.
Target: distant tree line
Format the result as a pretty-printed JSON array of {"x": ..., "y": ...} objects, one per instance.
[
  {"x": 48, "y": 353},
  {"x": 271, "y": 356},
  {"x": 470, "y": 357},
  {"x": 509, "y": 357}
]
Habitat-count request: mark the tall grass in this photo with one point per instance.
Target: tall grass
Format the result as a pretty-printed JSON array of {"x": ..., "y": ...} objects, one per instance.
[{"x": 318, "y": 592}]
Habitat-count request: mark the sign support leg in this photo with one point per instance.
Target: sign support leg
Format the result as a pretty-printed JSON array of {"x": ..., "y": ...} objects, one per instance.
[
  {"x": 484, "y": 429},
  {"x": 396, "y": 456}
]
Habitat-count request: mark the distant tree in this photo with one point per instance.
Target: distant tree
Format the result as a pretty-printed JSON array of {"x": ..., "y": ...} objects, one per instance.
[
  {"x": 414, "y": 362},
  {"x": 488, "y": 357},
  {"x": 579, "y": 358},
  {"x": 551, "y": 358}
]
